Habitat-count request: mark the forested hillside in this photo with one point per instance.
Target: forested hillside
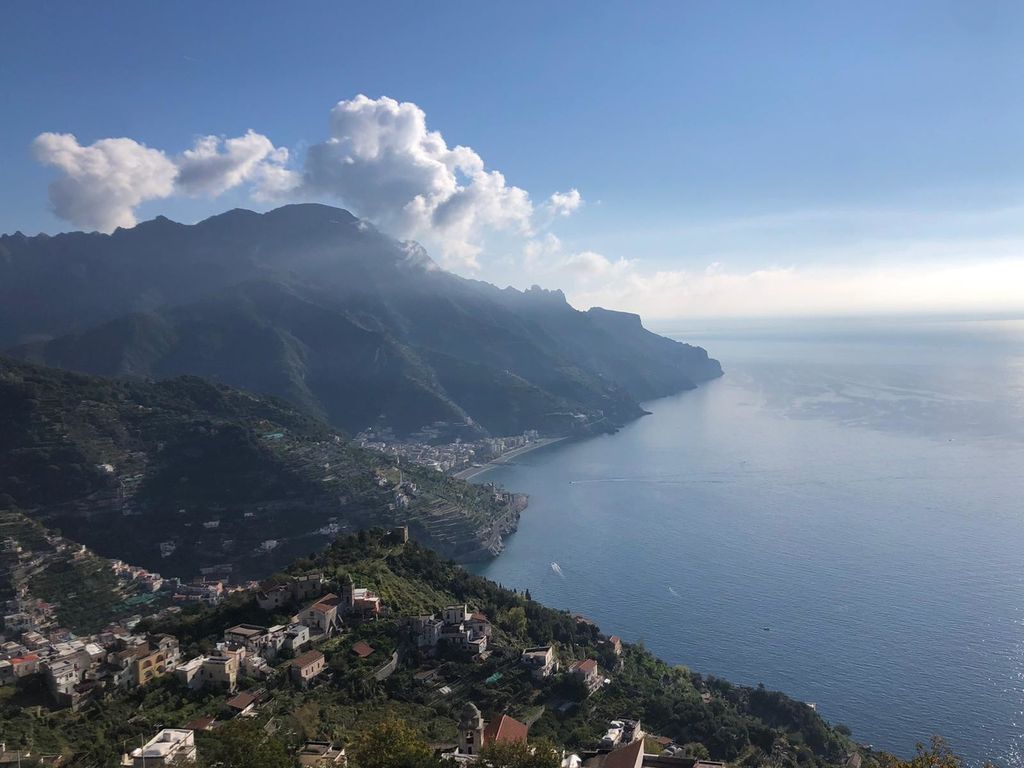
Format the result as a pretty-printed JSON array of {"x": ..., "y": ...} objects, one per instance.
[{"x": 182, "y": 474}]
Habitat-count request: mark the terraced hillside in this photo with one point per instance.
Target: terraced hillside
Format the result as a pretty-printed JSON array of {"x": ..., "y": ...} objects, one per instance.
[
  {"x": 182, "y": 475},
  {"x": 53, "y": 582}
]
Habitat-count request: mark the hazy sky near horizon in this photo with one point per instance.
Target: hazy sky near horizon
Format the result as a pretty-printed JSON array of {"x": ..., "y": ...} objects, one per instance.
[{"x": 671, "y": 158}]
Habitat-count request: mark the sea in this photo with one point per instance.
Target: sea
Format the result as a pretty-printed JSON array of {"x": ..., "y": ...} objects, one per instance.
[{"x": 839, "y": 517}]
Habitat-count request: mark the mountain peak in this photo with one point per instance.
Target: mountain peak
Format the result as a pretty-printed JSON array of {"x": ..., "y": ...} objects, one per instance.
[{"x": 310, "y": 303}]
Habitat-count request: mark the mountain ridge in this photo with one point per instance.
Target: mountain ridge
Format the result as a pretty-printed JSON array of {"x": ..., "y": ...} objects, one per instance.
[{"x": 309, "y": 303}]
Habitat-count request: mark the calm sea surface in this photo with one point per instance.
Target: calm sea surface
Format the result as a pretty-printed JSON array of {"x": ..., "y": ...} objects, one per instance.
[{"x": 856, "y": 488}]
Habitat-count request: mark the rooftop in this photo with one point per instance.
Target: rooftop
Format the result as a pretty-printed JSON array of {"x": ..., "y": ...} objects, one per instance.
[
  {"x": 246, "y": 630},
  {"x": 327, "y": 602},
  {"x": 505, "y": 728},
  {"x": 309, "y": 657},
  {"x": 164, "y": 743},
  {"x": 242, "y": 700},
  {"x": 201, "y": 724},
  {"x": 362, "y": 649}
]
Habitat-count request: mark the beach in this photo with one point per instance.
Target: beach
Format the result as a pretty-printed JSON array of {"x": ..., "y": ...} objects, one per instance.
[{"x": 477, "y": 469}]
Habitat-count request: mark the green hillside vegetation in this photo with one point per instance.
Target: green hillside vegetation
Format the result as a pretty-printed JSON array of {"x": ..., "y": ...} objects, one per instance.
[{"x": 223, "y": 477}]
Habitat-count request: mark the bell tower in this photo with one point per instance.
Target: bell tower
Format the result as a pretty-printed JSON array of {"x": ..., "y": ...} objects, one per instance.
[
  {"x": 471, "y": 730},
  {"x": 348, "y": 589}
]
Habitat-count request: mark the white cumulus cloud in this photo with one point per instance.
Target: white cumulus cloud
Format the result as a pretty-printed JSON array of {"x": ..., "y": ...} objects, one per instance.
[
  {"x": 101, "y": 184},
  {"x": 382, "y": 161},
  {"x": 565, "y": 203},
  {"x": 215, "y": 165}
]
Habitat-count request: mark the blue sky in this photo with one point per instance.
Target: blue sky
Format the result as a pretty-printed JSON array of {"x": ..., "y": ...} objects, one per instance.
[{"x": 731, "y": 157}]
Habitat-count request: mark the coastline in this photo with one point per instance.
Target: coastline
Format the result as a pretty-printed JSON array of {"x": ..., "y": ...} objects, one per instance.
[{"x": 478, "y": 469}]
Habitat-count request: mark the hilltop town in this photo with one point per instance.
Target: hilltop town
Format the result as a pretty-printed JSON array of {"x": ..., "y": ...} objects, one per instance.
[{"x": 374, "y": 629}]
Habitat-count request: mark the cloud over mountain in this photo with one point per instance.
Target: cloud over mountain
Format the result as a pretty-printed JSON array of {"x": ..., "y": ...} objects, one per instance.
[
  {"x": 101, "y": 184},
  {"x": 379, "y": 159},
  {"x": 382, "y": 161}
]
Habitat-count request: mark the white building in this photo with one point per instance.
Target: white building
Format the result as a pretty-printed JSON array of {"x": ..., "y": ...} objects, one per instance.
[
  {"x": 296, "y": 637},
  {"x": 456, "y": 614},
  {"x": 540, "y": 661},
  {"x": 427, "y": 630},
  {"x": 169, "y": 747}
]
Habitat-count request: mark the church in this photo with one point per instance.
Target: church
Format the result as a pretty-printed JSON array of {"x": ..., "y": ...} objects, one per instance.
[{"x": 475, "y": 734}]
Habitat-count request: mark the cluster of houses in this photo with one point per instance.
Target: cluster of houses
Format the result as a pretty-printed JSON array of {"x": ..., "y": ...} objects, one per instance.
[
  {"x": 247, "y": 650},
  {"x": 251, "y": 650},
  {"x": 425, "y": 449},
  {"x": 457, "y": 627},
  {"x": 203, "y": 589},
  {"x": 25, "y": 613},
  {"x": 74, "y": 668},
  {"x": 543, "y": 663},
  {"x": 143, "y": 587}
]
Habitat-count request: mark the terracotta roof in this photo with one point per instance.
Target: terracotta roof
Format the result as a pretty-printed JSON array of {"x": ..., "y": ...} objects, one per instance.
[
  {"x": 478, "y": 616},
  {"x": 587, "y": 666},
  {"x": 24, "y": 659},
  {"x": 629, "y": 756},
  {"x": 362, "y": 649},
  {"x": 309, "y": 657},
  {"x": 242, "y": 700},
  {"x": 200, "y": 724},
  {"x": 615, "y": 640},
  {"x": 504, "y": 728},
  {"x": 328, "y": 601}
]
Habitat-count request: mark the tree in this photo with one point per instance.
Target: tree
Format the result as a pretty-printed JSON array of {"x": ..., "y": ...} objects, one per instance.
[
  {"x": 392, "y": 744},
  {"x": 241, "y": 744},
  {"x": 936, "y": 755},
  {"x": 696, "y": 750},
  {"x": 519, "y": 754},
  {"x": 514, "y": 622}
]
